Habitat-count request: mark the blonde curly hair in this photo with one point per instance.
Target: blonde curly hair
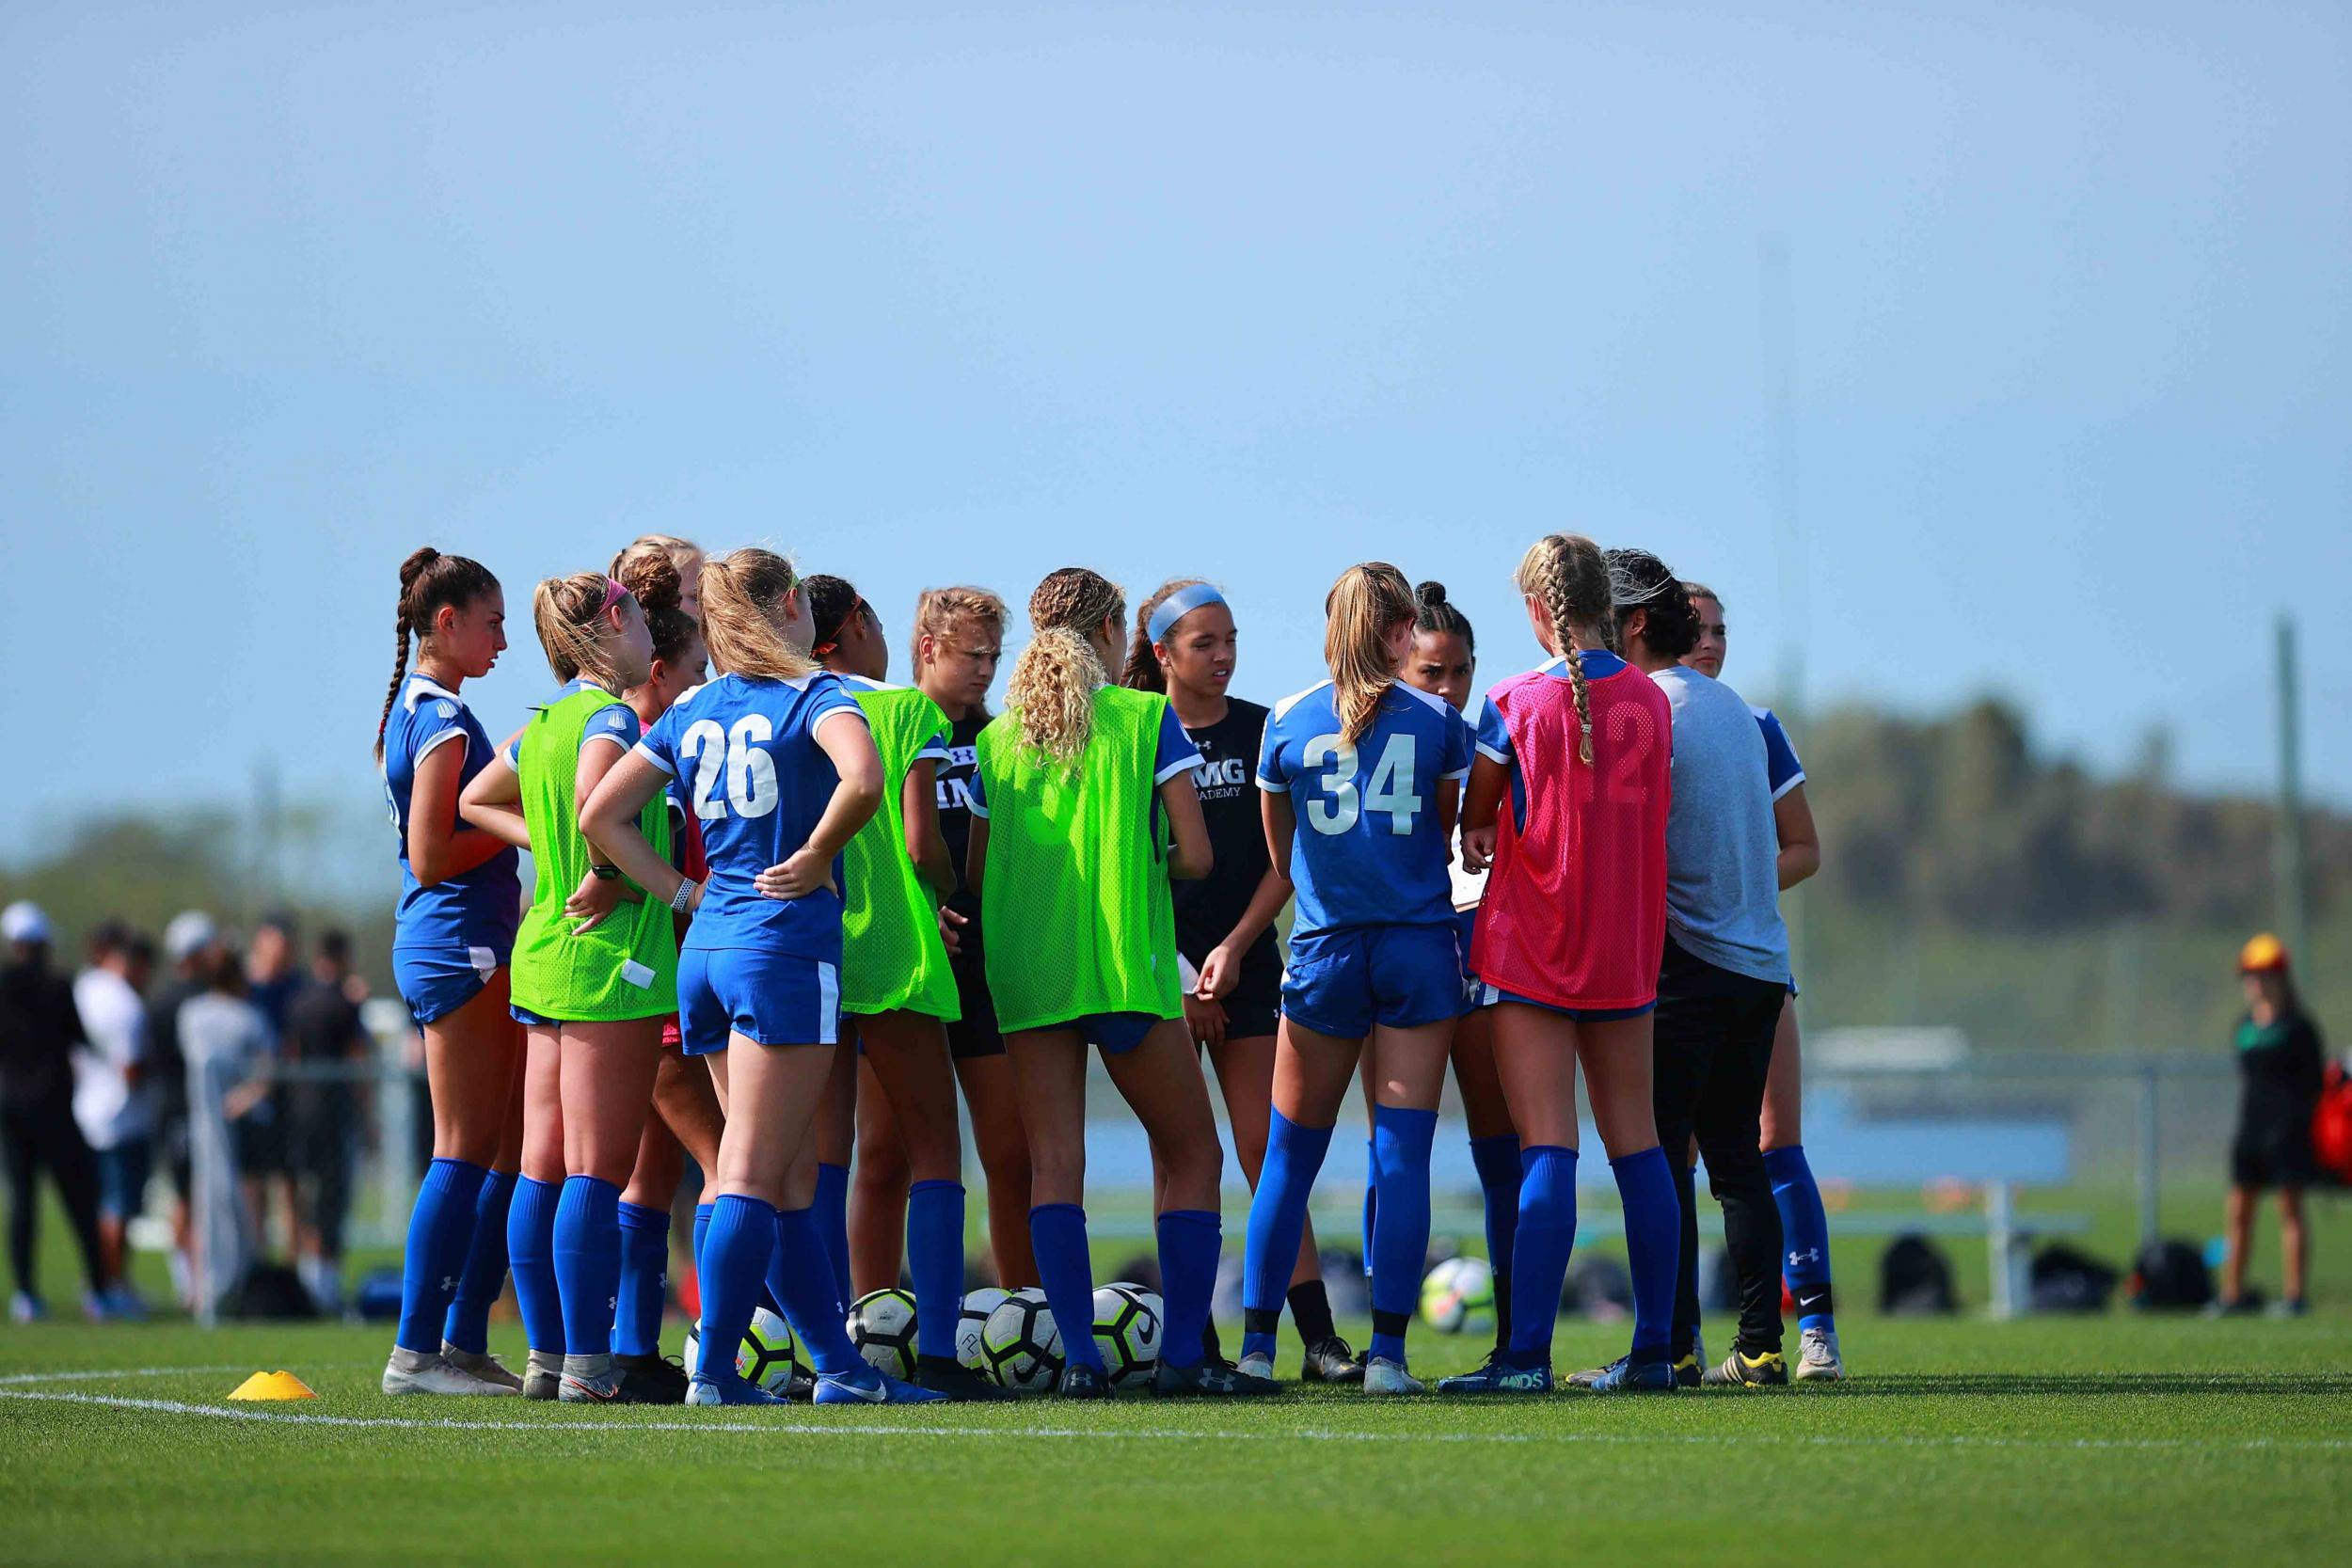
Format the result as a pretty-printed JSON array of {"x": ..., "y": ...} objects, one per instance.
[{"x": 1051, "y": 691}]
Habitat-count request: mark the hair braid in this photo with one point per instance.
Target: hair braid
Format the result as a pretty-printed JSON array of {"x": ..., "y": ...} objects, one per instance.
[
  {"x": 1567, "y": 574},
  {"x": 1051, "y": 690},
  {"x": 400, "y": 673},
  {"x": 429, "y": 583}
]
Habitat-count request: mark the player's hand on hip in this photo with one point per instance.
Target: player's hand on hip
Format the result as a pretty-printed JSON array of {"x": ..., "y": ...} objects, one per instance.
[
  {"x": 591, "y": 901},
  {"x": 800, "y": 874}
]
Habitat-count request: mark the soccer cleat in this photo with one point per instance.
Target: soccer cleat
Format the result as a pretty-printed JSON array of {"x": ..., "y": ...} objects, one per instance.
[
  {"x": 488, "y": 1368},
  {"x": 1818, "y": 1360},
  {"x": 727, "y": 1390},
  {"x": 595, "y": 1380},
  {"x": 867, "y": 1385},
  {"x": 801, "y": 1387},
  {"x": 1329, "y": 1361},
  {"x": 1498, "y": 1376},
  {"x": 25, "y": 1307},
  {"x": 1742, "y": 1370},
  {"x": 1257, "y": 1366},
  {"x": 1691, "y": 1366},
  {"x": 1080, "y": 1382},
  {"x": 415, "y": 1372},
  {"x": 2287, "y": 1307},
  {"x": 946, "y": 1375},
  {"x": 1211, "y": 1379},
  {"x": 1626, "y": 1375},
  {"x": 651, "y": 1379},
  {"x": 1384, "y": 1376},
  {"x": 121, "y": 1304},
  {"x": 543, "y": 1374}
]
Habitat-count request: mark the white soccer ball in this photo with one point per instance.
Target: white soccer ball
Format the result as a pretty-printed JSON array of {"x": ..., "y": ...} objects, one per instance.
[
  {"x": 1021, "y": 1343},
  {"x": 881, "y": 1325},
  {"x": 1458, "y": 1297},
  {"x": 769, "y": 1355},
  {"x": 972, "y": 1321},
  {"x": 1127, "y": 1332}
]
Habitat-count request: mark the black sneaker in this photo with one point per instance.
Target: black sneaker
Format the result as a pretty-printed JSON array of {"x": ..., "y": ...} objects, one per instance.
[
  {"x": 651, "y": 1379},
  {"x": 946, "y": 1375},
  {"x": 801, "y": 1387},
  {"x": 1332, "y": 1360},
  {"x": 1214, "y": 1379},
  {"x": 1081, "y": 1382}
]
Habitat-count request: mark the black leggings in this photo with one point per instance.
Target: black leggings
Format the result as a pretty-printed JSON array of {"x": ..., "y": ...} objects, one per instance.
[
  {"x": 38, "y": 1135},
  {"x": 1713, "y": 1035}
]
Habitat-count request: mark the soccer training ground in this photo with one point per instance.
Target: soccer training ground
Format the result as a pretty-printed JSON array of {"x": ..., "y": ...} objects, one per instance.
[{"x": 2110, "y": 1439}]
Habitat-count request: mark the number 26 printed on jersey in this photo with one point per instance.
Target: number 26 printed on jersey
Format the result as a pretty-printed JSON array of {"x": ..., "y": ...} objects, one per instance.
[
  {"x": 1389, "y": 790},
  {"x": 740, "y": 754}
]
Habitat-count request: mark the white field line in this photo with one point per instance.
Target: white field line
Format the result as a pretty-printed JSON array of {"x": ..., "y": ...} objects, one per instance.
[{"x": 869, "y": 1428}]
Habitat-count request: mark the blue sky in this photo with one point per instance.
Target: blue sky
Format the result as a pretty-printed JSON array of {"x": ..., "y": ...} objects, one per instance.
[{"x": 931, "y": 293}]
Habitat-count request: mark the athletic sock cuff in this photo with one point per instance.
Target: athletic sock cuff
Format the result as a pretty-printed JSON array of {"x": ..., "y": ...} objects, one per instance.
[
  {"x": 1077, "y": 1209},
  {"x": 935, "y": 1186}
]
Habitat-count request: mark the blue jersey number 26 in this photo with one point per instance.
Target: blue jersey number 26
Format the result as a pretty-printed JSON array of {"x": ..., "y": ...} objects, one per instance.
[{"x": 740, "y": 754}]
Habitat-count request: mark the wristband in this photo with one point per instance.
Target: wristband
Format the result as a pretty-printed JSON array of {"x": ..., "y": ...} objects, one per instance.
[
  {"x": 684, "y": 896},
  {"x": 603, "y": 873}
]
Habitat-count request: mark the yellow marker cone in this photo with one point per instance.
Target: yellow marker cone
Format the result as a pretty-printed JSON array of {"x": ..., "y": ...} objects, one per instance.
[{"x": 273, "y": 1386}]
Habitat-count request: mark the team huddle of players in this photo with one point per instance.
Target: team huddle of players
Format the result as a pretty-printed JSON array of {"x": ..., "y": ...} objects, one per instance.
[{"x": 783, "y": 909}]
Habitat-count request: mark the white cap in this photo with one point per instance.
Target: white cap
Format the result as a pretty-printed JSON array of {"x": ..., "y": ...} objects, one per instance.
[
  {"x": 190, "y": 933},
  {"x": 24, "y": 922}
]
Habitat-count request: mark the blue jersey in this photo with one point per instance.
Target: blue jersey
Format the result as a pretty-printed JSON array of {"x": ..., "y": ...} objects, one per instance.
[
  {"x": 744, "y": 750},
  {"x": 1781, "y": 766},
  {"x": 482, "y": 907},
  {"x": 1369, "y": 849}
]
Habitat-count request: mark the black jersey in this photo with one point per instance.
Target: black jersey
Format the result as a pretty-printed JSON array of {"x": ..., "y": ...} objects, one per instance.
[
  {"x": 953, "y": 782},
  {"x": 1207, "y": 909},
  {"x": 2282, "y": 1064}
]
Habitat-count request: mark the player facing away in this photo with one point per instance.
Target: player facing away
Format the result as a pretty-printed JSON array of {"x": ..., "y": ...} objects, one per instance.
[
  {"x": 1567, "y": 812},
  {"x": 958, "y": 641},
  {"x": 1186, "y": 645},
  {"x": 1082, "y": 809},
  {"x": 1359, "y": 777},
  {"x": 453, "y": 936},
  {"x": 781, "y": 771},
  {"x": 594, "y": 972},
  {"x": 895, "y": 982},
  {"x": 1443, "y": 661},
  {"x": 1803, "y": 1223}
]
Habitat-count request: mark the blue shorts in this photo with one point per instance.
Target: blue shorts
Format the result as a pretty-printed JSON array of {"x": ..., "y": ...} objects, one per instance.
[
  {"x": 1490, "y": 995},
  {"x": 1342, "y": 982},
  {"x": 1466, "y": 925},
  {"x": 1113, "y": 1033},
  {"x": 123, "y": 1177},
  {"x": 768, "y": 998},
  {"x": 437, "y": 981},
  {"x": 524, "y": 1014}
]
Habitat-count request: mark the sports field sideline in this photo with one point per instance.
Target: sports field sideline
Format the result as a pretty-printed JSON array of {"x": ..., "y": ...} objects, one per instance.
[{"x": 2108, "y": 1439}]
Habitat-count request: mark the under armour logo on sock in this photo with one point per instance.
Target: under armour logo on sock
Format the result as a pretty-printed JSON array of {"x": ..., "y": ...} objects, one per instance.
[
  {"x": 1810, "y": 1255},
  {"x": 449, "y": 1283}
]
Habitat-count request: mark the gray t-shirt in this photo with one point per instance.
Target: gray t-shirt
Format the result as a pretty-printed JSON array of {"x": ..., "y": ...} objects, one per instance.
[{"x": 1722, "y": 854}]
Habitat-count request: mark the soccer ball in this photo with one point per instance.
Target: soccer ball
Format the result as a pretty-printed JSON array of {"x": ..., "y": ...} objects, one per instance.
[
  {"x": 1127, "y": 1332},
  {"x": 881, "y": 1325},
  {"x": 1020, "y": 1345},
  {"x": 769, "y": 1355},
  {"x": 1458, "y": 1297},
  {"x": 972, "y": 1321}
]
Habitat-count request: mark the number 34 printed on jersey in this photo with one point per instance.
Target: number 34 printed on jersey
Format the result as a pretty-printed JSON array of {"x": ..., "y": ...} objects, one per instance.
[
  {"x": 1389, "y": 790},
  {"x": 737, "y": 754}
]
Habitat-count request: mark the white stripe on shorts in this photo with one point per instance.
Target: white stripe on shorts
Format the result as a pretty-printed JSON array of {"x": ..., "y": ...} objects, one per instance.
[{"x": 828, "y": 1005}]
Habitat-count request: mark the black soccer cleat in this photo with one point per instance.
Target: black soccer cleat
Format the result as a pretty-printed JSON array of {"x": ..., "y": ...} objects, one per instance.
[
  {"x": 946, "y": 1375},
  {"x": 1081, "y": 1382},
  {"x": 1210, "y": 1379},
  {"x": 651, "y": 1379},
  {"x": 1332, "y": 1360}
]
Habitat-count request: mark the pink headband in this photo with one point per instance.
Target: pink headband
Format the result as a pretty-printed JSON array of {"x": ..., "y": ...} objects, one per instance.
[{"x": 613, "y": 593}]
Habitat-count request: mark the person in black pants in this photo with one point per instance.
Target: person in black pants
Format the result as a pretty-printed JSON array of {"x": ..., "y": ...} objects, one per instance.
[
  {"x": 1724, "y": 974},
  {"x": 2284, "y": 1065},
  {"x": 38, "y": 1030}
]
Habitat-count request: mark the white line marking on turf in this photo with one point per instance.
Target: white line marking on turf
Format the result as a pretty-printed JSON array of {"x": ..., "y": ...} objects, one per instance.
[{"x": 1308, "y": 1435}]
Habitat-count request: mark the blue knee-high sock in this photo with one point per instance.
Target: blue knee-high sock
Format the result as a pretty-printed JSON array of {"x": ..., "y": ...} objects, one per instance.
[
  {"x": 1278, "y": 1217},
  {"x": 439, "y": 1228},
  {"x": 1190, "y": 1240},
  {"x": 801, "y": 1278},
  {"x": 1057, "y": 1235},
  {"x": 1400, "y": 1233},
  {"x": 468, "y": 1325},
  {"x": 1372, "y": 1201},
  {"x": 736, "y": 1243},
  {"x": 531, "y": 1256},
  {"x": 1499, "y": 1176},
  {"x": 935, "y": 1256},
  {"x": 645, "y": 1274},
  {"x": 832, "y": 1223},
  {"x": 1653, "y": 1246},
  {"x": 1539, "y": 1262},
  {"x": 702, "y": 1228},
  {"x": 1804, "y": 1229},
  {"x": 588, "y": 1261}
]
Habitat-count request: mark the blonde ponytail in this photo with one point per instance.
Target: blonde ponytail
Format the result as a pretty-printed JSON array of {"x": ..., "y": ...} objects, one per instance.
[
  {"x": 741, "y": 592},
  {"x": 1358, "y": 612},
  {"x": 1051, "y": 690},
  {"x": 565, "y": 611}
]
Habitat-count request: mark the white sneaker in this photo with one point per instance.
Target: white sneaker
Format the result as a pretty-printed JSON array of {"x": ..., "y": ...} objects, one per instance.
[
  {"x": 1818, "y": 1360},
  {"x": 481, "y": 1364},
  {"x": 1384, "y": 1376},
  {"x": 415, "y": 1372},
  {"x": 589, "y": 1380},
  {"x": 543, "y": 1374},
  {"x": 1256, "y": 1366}
]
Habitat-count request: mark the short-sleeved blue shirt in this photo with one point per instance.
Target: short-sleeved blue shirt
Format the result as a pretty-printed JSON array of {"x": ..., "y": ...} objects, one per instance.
[
  {"x": 744, "y": 749},
  {"x": 481, "y": 908},
  {"x": 1781, "y": 766},
  {"x": 1369, "y": 849}
]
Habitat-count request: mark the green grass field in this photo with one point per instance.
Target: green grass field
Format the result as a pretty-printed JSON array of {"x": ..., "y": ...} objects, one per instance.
[{"x": 2105, "y": 1440}]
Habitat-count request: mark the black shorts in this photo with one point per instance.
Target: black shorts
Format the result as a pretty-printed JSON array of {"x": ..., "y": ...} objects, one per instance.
[
  {"x": 2272, "y": 1154},
  {"x": 1255, "y": 1007},
  {"x": 975, "y": 1033}
]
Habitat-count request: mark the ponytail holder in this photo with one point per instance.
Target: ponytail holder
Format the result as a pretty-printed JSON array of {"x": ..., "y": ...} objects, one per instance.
[
  {"x": 1179, "y": 605},
  {"x": 615, "y": 591}
]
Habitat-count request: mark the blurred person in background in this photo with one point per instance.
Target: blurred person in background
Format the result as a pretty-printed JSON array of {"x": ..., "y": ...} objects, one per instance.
[
  {"x": 114, "y": 1099},
  {"x": 38, "y": 1030},
  {"x": 191, "y": 946},
  {"x": 323, "y": 1123},
  {"x": 2282, "y": 1063},
  {"x": 272, "y": 979},
  {"x": 228, "y": 1045}
]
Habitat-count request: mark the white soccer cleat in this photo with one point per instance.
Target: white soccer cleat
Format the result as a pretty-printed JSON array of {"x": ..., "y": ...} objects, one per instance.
[
  {"x": 1818, "y": 1360},
  {"x": 1256, "y": 1366},
  {"x": 1384, "y": 1376},
  {"x": 543, "y": 1374},
  {"x": 415, "y": 1372},
  {"x": 481, "y": 1364}
]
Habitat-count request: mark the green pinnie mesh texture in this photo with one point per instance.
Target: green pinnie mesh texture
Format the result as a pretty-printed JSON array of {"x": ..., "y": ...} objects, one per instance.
[
  {"x": 628, "y": 966},
  {"x": 892, "y": 954},
  {"x": 1075, "y": 898}
]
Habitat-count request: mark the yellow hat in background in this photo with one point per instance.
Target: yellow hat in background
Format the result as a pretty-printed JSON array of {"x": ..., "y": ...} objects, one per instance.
[{"x": 2264, "y": 955}]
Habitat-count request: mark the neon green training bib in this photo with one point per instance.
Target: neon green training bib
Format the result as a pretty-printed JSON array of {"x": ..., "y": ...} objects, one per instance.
[{"x": 892, "y": 954}]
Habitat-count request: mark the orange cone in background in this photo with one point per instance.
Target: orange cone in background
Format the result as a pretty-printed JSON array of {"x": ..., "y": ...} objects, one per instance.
[{"x": 273, "y": 1386}]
